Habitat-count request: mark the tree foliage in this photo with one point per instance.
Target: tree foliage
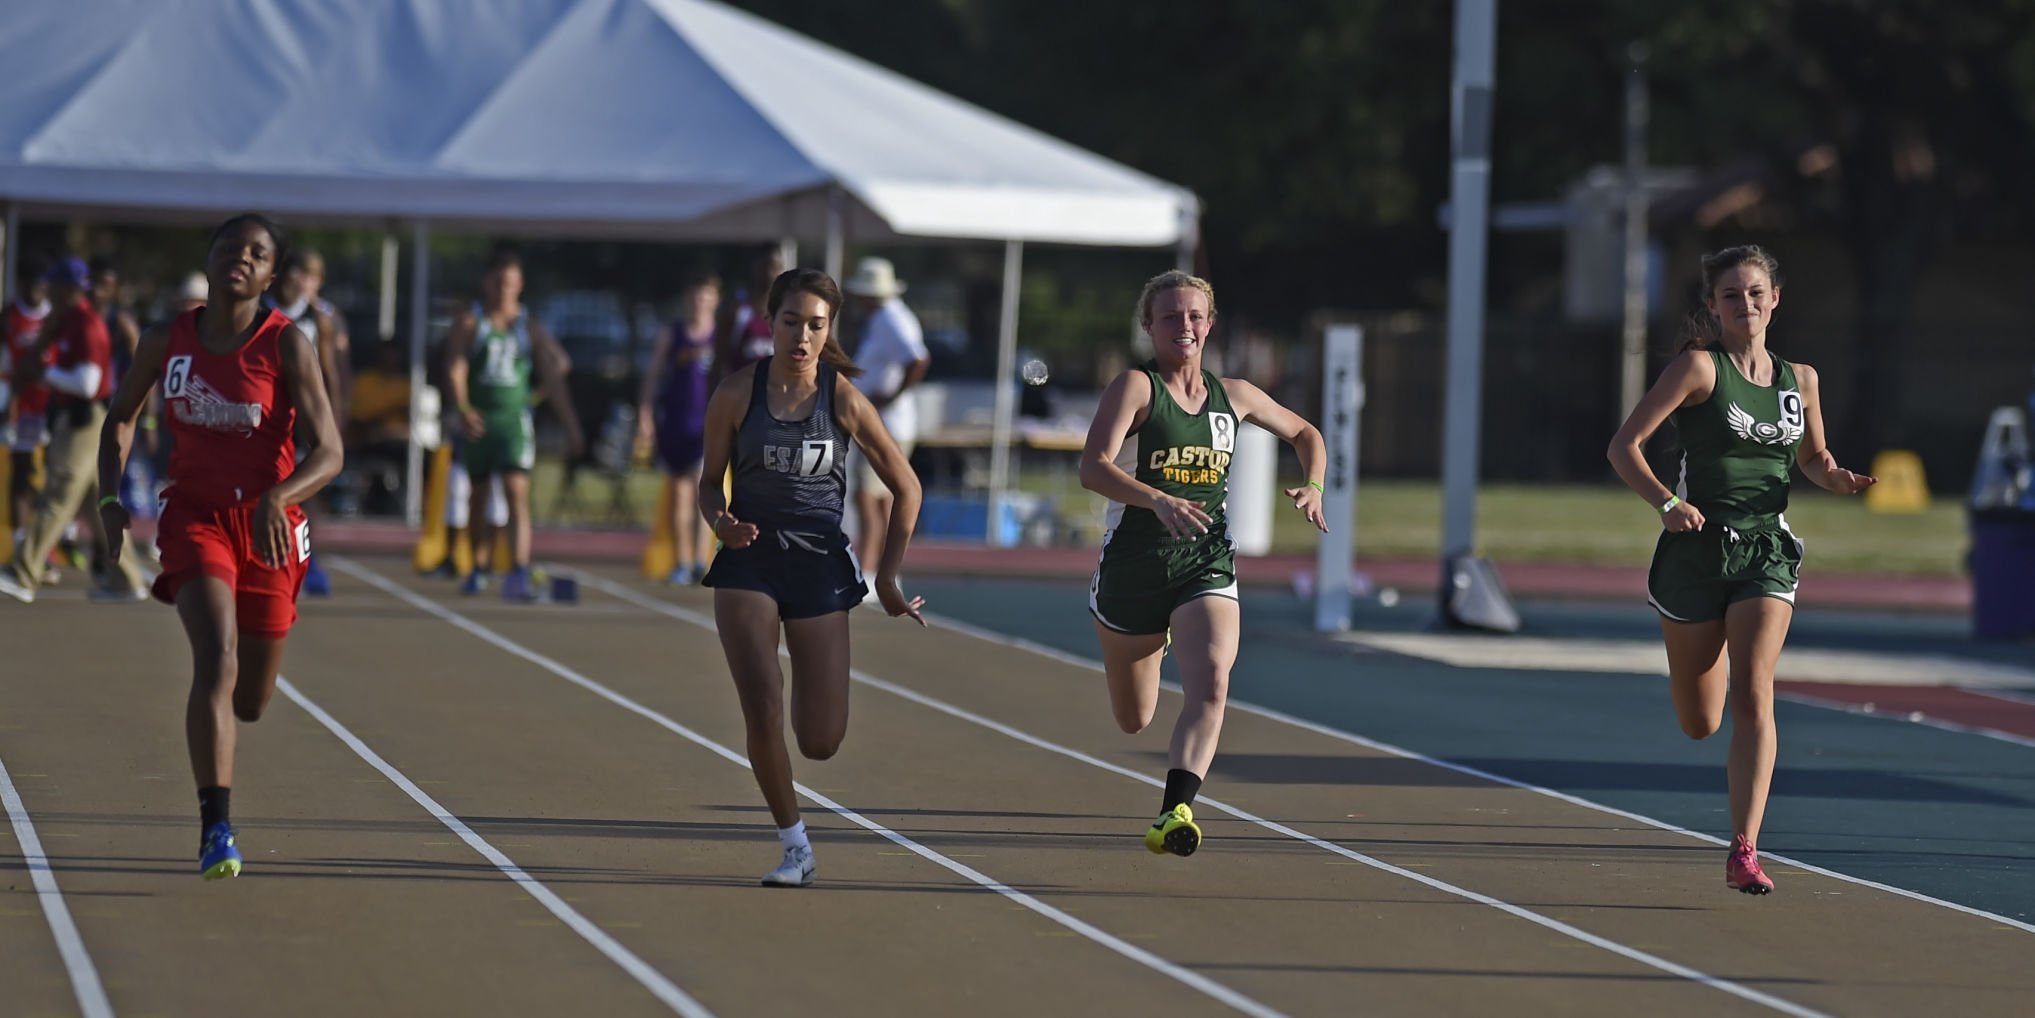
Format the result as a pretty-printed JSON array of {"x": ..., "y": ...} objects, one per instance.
[{"x": 1316, "y": 131}]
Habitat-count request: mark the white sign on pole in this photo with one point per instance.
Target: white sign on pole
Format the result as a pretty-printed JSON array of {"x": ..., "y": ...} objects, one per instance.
[
  {"x": 1253, "y": 483},
  {"x": 1342, "y": 400}
]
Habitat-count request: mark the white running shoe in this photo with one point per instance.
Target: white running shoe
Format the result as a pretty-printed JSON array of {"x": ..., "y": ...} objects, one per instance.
[
  {"x": 11, "y": 586},
  {"x": 796, "y": 870}
]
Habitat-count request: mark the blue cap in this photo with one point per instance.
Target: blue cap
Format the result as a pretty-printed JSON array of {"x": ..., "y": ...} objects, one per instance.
[{"x": 71, "y": 271}]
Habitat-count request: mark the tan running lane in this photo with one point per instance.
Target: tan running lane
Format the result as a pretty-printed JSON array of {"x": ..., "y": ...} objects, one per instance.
[
  {"x": 1824, "y": 943},
  {"x": 675, "y": 837},
  {"x": 354, "y": 900},
  {"x": 37, "y": 985},
  {"x": 1280, "y": 922}
]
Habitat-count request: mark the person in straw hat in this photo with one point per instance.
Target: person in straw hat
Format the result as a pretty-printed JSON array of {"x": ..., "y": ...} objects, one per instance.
[{"x": 893, "y": 359}]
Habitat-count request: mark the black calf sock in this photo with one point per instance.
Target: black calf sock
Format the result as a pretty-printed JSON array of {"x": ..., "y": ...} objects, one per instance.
[
  {"x": 1181, "y": 787},
  {"x": 215, "y": 806}
]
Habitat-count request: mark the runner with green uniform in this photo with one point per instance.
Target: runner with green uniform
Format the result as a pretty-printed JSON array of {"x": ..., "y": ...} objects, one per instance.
[
  {"x": 1737, "y": 449},
  {"x": 498, "y": 388},
  {"x": 1159, "y": 449},
  {"x": 1145, "y": 571},
  {"x": 1725, "y": 568},
  {"x": 491, "y": 357}
]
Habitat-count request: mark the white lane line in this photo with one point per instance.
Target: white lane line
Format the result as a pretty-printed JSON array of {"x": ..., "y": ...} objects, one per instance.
[
  {"x": 84, "y": 976},
  {"x": 1122, "y": 947},
  {"x": 1056, "y": 654},
  {"x": 1546, "y": 922},
  {"x": 661, "y": 988},
  {"x": 2011, "y": 696},
  {"x": 1648, "y": 658},
  {"x": 1903, "y": 717}
]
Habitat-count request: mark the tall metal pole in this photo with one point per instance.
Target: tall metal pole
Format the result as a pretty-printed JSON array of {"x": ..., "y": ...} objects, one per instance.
[
  {"x": 1006, "y": 378},
  {"x": 1469, "y": 199},
  {"x": 420, "y": 319},
  {"x": 836, "y": 250},
  {"x": 385, "y": 322},
  {"x": 1632, "y": 361},
  {"x": 10, "y": 251}
]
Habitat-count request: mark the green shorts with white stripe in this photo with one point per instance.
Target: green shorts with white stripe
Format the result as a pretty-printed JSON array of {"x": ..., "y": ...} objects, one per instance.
[{"x": 1698, "y": 574}]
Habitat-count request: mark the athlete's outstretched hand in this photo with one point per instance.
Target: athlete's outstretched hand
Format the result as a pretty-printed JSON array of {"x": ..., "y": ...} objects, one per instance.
[
  {"x": 732, "y": 532},
  {"x": 1683, "y": 518},
  {"x": 1844, "y": 482},
  {"x": 272, "y": 537},
  {"x": 1307, "y": 499},
  {"x": 117, "y": 519},
  {"x": 893, "y": 599},
  {"x": 1183, "y": 519}
]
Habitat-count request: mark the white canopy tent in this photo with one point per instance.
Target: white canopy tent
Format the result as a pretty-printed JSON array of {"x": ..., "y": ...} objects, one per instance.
[{"x": 678, "y": 120}]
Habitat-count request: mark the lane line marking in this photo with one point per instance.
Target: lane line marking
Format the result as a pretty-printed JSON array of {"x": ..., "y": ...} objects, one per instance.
[
  {"x": 1054, "y": 653},
  {"x": 1555, "y": 925},
  {"x": 85, "y": 984},
  {"x": 1122, "y": 947},
  {"x": 663, "y": 989},
  {"x": 1904, "y": 717}
]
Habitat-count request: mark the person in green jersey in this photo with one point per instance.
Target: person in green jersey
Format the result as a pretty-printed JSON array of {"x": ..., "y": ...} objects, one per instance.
[
  {"x": 489, "y": 359},
  {"x": 1725, "y": 568},
  {"x": 1159, "y": 449}
]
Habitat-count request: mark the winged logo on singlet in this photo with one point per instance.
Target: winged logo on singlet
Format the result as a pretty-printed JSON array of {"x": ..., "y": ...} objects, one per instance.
[
  {"x": 198, "y": 404},
  {"x": 1787, "y": 432}
]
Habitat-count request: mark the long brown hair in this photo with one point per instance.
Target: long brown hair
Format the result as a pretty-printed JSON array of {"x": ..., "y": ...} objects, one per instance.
[
  {"x": 821, "y": 285},
  {"x": 1701, "y": 329}
]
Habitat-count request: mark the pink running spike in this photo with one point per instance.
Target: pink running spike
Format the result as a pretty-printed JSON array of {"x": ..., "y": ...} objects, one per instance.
[{"x": 1741, "y": 869}]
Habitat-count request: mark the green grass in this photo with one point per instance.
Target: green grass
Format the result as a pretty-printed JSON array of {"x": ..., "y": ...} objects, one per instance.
[
  {"x": 1599, "y": 525},
  {"x": 1611, "y": 526}
]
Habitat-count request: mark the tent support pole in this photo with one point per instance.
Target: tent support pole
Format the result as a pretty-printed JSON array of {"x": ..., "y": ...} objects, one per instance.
[
  {"x": 836, "y": 241},
  {"x": 1006, "y": 375},
  {"x": 10, "y": 251},
  {"x": 385, "y": 322},
  {"x": 420, "y": 317}
]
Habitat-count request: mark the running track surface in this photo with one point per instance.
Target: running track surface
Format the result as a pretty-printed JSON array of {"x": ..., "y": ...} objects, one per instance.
[{"x": 465, "y": 807}]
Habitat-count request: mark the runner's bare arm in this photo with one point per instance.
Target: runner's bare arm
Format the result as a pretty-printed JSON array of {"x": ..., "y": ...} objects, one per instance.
[
  {"x": 116, "y": 436},
  {"x": 865, "y": 426},
  {"x": 653, "y": 377},
  {"x": 458, "y": 346},
  {"x": 1254, "y": 405},
  {"x": 304, "y": 382},
  {"x": 1689, "y": 375},
  {"x": 1818, "y": 464},
  {"x": 552, "y": 366},
  {"x": 330, "y": 359},
  {"x": 725, "y": 410},
  {"x": 1125, "y": 404}
]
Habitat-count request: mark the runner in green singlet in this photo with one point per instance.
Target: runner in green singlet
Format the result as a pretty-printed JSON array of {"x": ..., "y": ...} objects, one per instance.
[
  {"x": 1725, "y": 569},
  {"x": 489, "y": 358},
  {"x": 1159, "y": 449}
]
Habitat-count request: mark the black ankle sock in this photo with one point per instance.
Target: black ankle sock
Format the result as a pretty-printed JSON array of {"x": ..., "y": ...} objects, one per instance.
[
  {"x": 215, "y": 806},
  {"x": 1181, "y": 787}
]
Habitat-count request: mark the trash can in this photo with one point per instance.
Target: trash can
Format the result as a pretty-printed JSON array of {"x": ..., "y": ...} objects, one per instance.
[
  {"x": 2002, "y": 573},
  {"x": 2003, "y": 531}
]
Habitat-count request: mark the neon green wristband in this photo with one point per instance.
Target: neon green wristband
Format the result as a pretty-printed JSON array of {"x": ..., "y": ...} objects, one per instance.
[
  {"x": 109, "y": 500},
  {"x": 1316, "y": 485},
  {"x": 1673, "y": 501}
]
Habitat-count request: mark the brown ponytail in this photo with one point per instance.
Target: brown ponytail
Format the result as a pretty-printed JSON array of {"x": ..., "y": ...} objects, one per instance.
[
  {"x": 821, "y": 285},
  {"x": 1699, "y": 331}
]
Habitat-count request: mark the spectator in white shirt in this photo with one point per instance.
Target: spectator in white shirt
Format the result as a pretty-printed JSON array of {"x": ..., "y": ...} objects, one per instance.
[{"x": 893, "y": 358}]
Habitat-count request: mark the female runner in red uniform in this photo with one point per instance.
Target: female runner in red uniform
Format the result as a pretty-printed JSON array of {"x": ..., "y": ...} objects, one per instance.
[{"x": 241, "y": 388}]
